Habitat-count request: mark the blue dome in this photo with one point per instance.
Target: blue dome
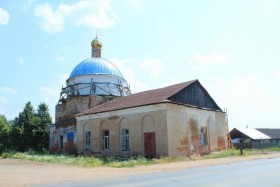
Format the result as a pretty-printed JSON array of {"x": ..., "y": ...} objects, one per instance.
[{"x": 95, "y": 66}]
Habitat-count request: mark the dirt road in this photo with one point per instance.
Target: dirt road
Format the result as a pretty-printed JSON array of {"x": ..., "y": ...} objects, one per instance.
[{"x": 27, "y": 173}]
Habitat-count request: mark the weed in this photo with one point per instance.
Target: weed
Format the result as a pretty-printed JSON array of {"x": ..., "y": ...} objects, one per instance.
[{"x": 121, "y": 162}]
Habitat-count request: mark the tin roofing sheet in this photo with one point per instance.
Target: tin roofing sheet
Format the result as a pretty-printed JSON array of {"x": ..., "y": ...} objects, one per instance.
[
  {"x": 95, "y": 66},
  {"x": 272, "y": 133},
  {"x": 139, "y": 99},
  {"x": 254, "y": 134}
]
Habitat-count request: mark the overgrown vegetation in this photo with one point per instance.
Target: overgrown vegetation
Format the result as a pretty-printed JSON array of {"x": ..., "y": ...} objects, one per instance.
[
  {"x": 120, "y": 162},
  {"x": 27, "y": 131},
  {"x": 111, "y": 161},
  {"x": 236, "y": 152}
]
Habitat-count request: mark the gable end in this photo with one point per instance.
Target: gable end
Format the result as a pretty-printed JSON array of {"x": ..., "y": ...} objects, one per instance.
[{"x": 195, "y": 94}]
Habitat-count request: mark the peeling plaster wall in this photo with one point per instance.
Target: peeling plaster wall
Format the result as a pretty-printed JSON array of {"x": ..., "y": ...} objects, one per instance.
[
  {"x": 55, "y": 139},
  {"x": 184, "y": 130},
  {"x": 64, "y": 112},
  {"x": 65, "y": 120},
  {"x": 138, "y": 120},
  {"x": 177, "y": 130},
  {"x": 221, "y": 131}
]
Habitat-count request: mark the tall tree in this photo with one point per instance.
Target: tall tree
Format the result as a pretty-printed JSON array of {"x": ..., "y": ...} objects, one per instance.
[
  {"x": 43, "y": 120},
  {"x": 25, "y": 123},
  {"x": 4, "y": 133},
  {"x": 16, "y": 137},
  {"x": 30, "y": 130}
]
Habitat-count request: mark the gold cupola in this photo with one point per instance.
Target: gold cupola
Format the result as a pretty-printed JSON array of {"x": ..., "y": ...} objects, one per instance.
[
  {"x": 96, "y": 46},
  {"x": 96, "y": 43}
]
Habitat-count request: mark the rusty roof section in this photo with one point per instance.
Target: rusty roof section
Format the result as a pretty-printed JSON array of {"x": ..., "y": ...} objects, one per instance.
[{"x": 149, "y": 97}]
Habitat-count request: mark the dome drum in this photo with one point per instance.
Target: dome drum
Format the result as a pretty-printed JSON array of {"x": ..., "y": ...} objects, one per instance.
[
  {"x": 97, "y": 85},
  {"x": 96, "y": 78},
  {"x": 95, "y": 89}
]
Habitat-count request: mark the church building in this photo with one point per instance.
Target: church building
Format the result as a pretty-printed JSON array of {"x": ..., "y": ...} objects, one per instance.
[{"x": 97, "y": 114}]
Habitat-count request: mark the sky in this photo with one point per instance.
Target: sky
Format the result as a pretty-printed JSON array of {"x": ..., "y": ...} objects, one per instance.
[{"x": 232, "y": 47}]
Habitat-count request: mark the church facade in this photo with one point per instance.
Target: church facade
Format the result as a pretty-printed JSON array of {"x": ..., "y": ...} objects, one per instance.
[{"x": 97, "y": 114}]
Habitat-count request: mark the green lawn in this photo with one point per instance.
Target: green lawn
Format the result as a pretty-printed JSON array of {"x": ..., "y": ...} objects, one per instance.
[
  {"x": 118, "y": 162},
  {"x": 111, "y": 161}
]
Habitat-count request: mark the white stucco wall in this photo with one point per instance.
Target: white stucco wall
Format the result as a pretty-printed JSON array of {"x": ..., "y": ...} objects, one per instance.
[
  {"x": 138, "y": 120},
  {"x": 177, "y": 129}
]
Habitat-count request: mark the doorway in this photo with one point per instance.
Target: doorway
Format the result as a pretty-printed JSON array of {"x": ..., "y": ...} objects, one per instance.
[{"x": 150, "y": 145}]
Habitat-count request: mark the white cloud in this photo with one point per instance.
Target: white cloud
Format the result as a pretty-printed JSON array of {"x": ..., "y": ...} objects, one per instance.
[
  {"x": 7, "y": 94},
  {"x": 52, "y": 21},
  {"x": 3, "y": 100},
  {"x": 27, "y": 4},
  {"x": 88, "y": 13},
  {"x": 49, "y": 94},
  {"x": 3, "y": 103},
  {"x": 200, "y": 60},
  {"x": 276, "y": 77},
  {"x": 239, "y": 91},
  {"x": 65, "y": 47},
  {"x": 20, "y": 60},
  {"x": 135, "y": 4},
  {"x": 4, "y": 17},
  {"x": 8, "y": 90},
  {"x": 153, "y": 67},
  {"x": 129, "y": 74},
  {"x": 59, "y": 58},
  {"x": 247, "y": 100},
  {"x": 277, "y": 74},
  {"x": 62, "y": 79}
]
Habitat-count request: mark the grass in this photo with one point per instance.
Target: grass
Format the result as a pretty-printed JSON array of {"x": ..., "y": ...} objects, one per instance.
[
  {"x": 112, "y": 161},
  {"x": 222, "y": 154},
  {"x": 121, "y": 162},
  {"x": 236, "y": 152}
]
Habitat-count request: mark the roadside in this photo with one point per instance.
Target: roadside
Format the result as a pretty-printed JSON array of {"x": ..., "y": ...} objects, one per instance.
[{"x": 14, "y": 172}]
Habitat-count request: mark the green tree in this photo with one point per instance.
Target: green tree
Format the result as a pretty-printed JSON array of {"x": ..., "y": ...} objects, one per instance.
[
  {"x": 4, "y": 133},
  {"x": 16, "y": 137},
  {"x": 30, "y": 130},
  {"x": 24, "y": 125},
  {"x": 43, "y": 120}
]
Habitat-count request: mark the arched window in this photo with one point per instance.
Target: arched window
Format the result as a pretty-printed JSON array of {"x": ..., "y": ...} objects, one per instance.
[{"x": 203, "y": 136}]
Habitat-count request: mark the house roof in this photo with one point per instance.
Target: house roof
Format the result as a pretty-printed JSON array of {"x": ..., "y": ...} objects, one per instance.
[
  {"x": 272, "y": 133},
  {"x": 149, "y": 97},
  {"x": 253, "y": 133}
]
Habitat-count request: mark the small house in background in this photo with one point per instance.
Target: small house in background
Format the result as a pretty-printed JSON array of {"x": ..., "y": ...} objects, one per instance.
[{"x": 255, "y": 138}]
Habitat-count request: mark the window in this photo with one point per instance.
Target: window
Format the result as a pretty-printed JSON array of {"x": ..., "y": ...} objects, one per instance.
[
  {"x": 88, "y": 138},
  {"x": 203, "y": 136},
  {"x": 106, "y": 139},
  {"x": 61, "y": 142},
  {"x": 125, "y": 139}
]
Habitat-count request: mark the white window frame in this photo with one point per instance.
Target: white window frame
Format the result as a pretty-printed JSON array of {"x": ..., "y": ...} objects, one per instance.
[
  {"x": 106, "y": 140},
  {"x": 125, "y": 140},
  {"x": 88, "y": 140}
]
